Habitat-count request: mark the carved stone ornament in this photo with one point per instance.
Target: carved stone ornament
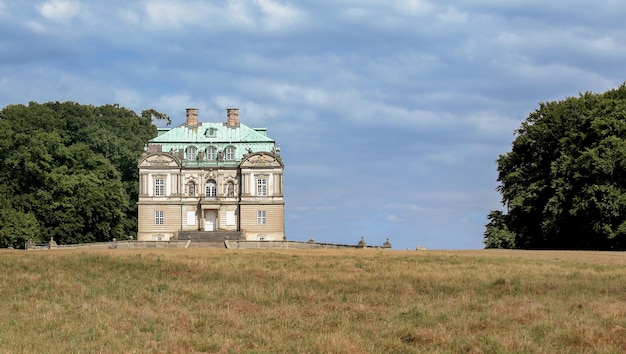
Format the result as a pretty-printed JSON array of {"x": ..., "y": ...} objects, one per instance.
[
  {"x": 261, "y": 160},
  {"x": 229, "y": 178},
  {"x": 159, "y": 161}
]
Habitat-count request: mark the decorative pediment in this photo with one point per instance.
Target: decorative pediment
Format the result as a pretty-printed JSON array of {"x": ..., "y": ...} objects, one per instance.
[
  {"x": 160, "y": 159},
  {"x": 229, "y": 177},
  {"x": 190, "y": 178},
  {"x": 262, "y": 159}
]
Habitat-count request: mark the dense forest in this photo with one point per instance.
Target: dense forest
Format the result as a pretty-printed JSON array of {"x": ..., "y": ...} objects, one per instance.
[
  {"x": 563, "y": 183},
  {"x": 69, "y": 171}
]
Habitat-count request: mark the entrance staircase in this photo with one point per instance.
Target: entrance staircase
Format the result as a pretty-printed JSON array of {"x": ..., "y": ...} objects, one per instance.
[{"x": 209, "y": 239}]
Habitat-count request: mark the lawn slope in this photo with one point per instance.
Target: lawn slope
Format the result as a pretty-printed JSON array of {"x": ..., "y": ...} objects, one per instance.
[{"x": 179, "y": 301}]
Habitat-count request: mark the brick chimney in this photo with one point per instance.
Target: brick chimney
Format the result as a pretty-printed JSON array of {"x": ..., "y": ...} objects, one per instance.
[
  {"x": 232, "y": 117},
  {"x": 192, "y": 117}
]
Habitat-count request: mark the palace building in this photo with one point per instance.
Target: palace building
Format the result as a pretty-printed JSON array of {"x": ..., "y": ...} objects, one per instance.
[{"x": 211, "y": 179}]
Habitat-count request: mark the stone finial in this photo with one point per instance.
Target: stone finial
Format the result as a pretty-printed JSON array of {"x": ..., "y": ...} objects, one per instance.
[
  {"x": 52, "y": 243},
  {"x": 387, "y": 244},
  {"x": 311, "y": 240},
  {"x": 361, "y": 243}
]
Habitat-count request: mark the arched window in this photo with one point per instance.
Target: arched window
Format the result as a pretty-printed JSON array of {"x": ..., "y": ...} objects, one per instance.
[
  {"x": 210, "y": 153},
  {"x": 191, "y": 153},
  {"x": 230, "y": 153},
  {"x": 210, "y": 189}
]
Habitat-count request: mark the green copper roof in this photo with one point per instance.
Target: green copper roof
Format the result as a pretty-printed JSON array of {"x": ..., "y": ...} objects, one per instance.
[
  {"x": 213, "y": 133},
  {"x": 216, "y": 137}
]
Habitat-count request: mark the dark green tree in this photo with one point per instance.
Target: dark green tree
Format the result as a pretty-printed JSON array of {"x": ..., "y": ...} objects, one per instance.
[
  {"x": 69, "y": 171},
  {"x": 564, "y": 180},
  {"x": 497, "y": 233},
  {"x": 16, "y": 227},
  {"x": 157, "y": 116}
]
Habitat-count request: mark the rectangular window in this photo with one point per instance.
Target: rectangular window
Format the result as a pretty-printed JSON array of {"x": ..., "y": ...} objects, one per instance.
[
  {"x": 261, "y": 186},
  {"x": 159, "y": 187},
  {"x": 230, "y": 153},
  {"x": 158, "y": 217},
  {"x": 210, "y": 153},
  {"x": 230, "y": 217},
  {"x": 260, "y": 217},
  {"x": 191, "y": 153},
  {"x": 191, "y": 217}
]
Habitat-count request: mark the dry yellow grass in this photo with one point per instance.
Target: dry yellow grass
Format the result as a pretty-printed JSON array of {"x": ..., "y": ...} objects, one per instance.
[{"x": 352, "y": 301}]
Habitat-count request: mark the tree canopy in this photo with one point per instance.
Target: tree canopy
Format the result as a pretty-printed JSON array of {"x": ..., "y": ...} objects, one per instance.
[
  {"x": 563, "y": 183},
  {"x": 69, "y": 171}
]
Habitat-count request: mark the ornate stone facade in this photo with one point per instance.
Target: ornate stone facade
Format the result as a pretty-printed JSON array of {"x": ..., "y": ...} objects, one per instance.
[{"x": 211, "y": 177}]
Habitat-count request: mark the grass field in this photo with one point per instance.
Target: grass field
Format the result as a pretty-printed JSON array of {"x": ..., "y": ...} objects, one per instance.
[{"x": 351, "y": 301}]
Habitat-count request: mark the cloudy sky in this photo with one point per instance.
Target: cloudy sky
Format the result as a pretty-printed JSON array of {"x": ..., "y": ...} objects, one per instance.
[{"x": 390, "y": 113}]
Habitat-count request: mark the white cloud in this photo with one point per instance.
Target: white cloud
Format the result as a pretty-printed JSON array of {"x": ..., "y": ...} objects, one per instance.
[
  {"x": 177, "y": 103},
  {"x": 493, "y": 123},
  {"x": 394, "y": 218},
  {"x": 239, "y": 13},
  {"x": 251, "y": 113},
  {"x": 452, "y": 15},
  {"x": 413, "y": 6},
  {"x": 129, "y": 16},
  {"x": 35, "y": 26},
  {"x": 278, "y": 15},
  {"x": 309, "y": 95},
  {"x": 130, "y": 99},
  {"x": 59, "y": 10},
  {"x": 259, "y": 14},
  {"x": 168, "y": 14},
  {"x": 604, "y": 43}
]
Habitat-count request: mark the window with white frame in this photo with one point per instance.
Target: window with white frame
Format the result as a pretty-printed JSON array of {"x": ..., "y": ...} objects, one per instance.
[
  {"x": 210, "y": 189},
  {"x": 159, "y": 187},
  {"x": 261, "y": 186},
  {"x": 261, "y": 218},
  {"x": 210, "y": 153},
  {"x": 230, "y": 153},
  {"x": 191, "y": 153},
  {"x": 191, "y": 217},
  {"x": 158, "y": 217},
  {"x": 230, "y": 217}
]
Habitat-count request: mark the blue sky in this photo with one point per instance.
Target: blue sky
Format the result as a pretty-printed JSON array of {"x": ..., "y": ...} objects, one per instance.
[{"x": 390, "y": 113}]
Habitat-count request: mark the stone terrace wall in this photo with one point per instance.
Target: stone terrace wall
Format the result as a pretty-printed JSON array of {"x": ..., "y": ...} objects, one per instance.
[
  {"x": 120, "y": 245},
  {"x": 289, "y": 245},
  {"x": 227, "y": 244}
]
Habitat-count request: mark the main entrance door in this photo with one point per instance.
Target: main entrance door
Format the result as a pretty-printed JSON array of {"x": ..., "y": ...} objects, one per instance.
[{"x": 210, "y": 220}]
